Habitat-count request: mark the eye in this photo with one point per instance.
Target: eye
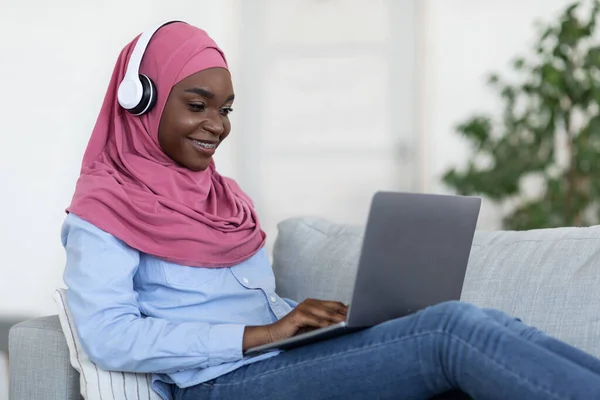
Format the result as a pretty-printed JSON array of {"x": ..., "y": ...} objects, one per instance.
[
  {"x": 226, "y": 111},
  {"x": 197, "y": 106}
]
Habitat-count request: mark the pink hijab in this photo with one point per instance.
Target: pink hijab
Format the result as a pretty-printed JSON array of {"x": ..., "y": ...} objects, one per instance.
[{"x": 131, "y": 189}]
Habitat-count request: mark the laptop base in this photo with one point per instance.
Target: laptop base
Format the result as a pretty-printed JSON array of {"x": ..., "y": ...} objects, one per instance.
[{"x": 303, "y": 339}]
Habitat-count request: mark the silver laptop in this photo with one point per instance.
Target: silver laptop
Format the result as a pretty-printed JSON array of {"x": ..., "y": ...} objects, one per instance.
[{"x": 414, "y": 254}]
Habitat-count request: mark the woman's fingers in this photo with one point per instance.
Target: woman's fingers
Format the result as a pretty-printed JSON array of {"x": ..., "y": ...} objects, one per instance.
[{"x": 330, "y": 310}]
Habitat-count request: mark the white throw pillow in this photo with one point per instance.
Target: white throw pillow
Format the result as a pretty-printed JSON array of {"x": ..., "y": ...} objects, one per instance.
[{"x": 95, "y": 383}]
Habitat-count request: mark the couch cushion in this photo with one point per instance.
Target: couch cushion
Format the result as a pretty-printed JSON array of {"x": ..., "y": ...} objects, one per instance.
[
  {"x": 313, "y": 257},
  {"x": 549, "y": 278}
]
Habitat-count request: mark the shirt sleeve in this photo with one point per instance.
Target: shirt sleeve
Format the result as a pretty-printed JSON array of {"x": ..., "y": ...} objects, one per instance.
[
  {"x": 290, "y": 302},
  {"x": 115, "y": 335}
]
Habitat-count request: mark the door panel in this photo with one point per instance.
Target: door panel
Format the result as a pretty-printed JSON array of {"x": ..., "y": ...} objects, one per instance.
[{"x": 331, "y": 119}]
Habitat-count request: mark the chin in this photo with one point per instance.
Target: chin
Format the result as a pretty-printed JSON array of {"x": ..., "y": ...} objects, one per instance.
[{"x": 198, "y": 166}]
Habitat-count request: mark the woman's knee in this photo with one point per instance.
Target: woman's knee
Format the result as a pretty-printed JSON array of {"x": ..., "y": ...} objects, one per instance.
[
  {"x": 460, "y": 308},
  {"x": 447, "y": 314},
  {"x": 500, "y": 316},
  {"x": 453, "y": 315},
  {"x": 514, "y": 324},
  {"x": 456, "y": 307}
]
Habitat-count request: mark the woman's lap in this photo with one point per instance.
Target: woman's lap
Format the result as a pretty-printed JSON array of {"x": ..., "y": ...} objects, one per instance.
[
  {"x": 307, "y": 372},
  {"x": 409, "y": 358}
]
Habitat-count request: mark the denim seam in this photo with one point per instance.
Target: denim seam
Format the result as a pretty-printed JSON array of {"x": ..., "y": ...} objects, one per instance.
[
  {"x": 351, "y": 351},
  {"x": 399, "y": 340},
  {"x": 522, "y": 379}
]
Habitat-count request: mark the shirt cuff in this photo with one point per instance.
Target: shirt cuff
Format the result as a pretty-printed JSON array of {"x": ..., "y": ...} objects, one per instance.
[
  {"x": 291, "y": 303},
  {"x": 225, "y": 343}
]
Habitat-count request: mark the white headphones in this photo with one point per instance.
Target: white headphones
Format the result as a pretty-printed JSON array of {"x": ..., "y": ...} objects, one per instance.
[{"x": 137, "y": 92}]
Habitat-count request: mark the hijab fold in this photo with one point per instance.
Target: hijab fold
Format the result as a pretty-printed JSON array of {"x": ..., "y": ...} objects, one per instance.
[{"x": 131, "y": 189}]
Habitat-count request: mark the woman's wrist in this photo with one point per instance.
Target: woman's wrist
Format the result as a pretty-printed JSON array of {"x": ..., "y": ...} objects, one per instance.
[{"x": 255, "y": 336}]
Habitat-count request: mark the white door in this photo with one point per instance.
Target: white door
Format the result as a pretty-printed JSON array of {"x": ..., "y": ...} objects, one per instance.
[{"x": 328, "y": 90}]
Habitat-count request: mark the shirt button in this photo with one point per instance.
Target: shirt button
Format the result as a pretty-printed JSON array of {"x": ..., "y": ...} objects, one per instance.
[
  {"x": 273, "y": 299},
  {"x": 245, "y": 280}
]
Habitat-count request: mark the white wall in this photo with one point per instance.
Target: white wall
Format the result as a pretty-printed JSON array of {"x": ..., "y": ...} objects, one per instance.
[
  {"x": 332, "y": 106},
  {"x": 56, "y": 59}
]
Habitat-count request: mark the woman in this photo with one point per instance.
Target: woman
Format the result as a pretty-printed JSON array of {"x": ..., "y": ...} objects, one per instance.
[{"x": 167, "y": 272}]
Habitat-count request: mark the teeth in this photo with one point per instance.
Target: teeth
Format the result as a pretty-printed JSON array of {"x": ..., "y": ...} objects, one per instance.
[{"x": 205, "y": 145}]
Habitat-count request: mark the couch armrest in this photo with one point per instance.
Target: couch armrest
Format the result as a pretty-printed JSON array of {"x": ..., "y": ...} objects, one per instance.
[{"x": 39, "y": 362}]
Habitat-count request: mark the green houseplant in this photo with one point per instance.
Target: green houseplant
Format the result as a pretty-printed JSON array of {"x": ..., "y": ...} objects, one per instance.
[{"x": 549, "y": 130}]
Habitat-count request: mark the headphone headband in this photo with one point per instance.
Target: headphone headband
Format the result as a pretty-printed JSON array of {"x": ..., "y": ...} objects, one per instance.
[{"x": 137, "y": 93}]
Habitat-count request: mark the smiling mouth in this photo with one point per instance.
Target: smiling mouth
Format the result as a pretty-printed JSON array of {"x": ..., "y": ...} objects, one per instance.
[{"x": 204, "y": 145}]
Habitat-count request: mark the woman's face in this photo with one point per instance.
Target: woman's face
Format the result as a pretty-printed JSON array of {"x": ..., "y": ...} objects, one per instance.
[{"x": 196, "y": 118}]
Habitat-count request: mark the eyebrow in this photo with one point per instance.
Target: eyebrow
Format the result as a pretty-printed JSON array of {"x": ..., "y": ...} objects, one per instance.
[{"x": 206, "y": 93}]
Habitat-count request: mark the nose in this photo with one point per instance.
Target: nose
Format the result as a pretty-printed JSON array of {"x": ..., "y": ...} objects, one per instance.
[{"x": 214, "y": 125}]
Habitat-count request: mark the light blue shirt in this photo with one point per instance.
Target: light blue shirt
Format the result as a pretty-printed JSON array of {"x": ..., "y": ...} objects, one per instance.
[{"x": 136, "y": 313}]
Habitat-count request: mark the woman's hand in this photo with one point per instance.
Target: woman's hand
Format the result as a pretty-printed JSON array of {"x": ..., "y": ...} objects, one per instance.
[{"x": 308, "y": 315}]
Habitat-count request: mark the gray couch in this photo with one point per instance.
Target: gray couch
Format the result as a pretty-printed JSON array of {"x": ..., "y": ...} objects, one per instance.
[{"x": 549, "y": 278}]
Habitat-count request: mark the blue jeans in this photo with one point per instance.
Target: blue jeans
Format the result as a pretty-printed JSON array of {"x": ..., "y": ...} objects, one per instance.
[{"x": 453, "y": 345}]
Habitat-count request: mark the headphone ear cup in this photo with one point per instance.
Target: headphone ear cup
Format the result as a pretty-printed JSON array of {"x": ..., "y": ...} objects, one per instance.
[{"x": 148, "y": 96}]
